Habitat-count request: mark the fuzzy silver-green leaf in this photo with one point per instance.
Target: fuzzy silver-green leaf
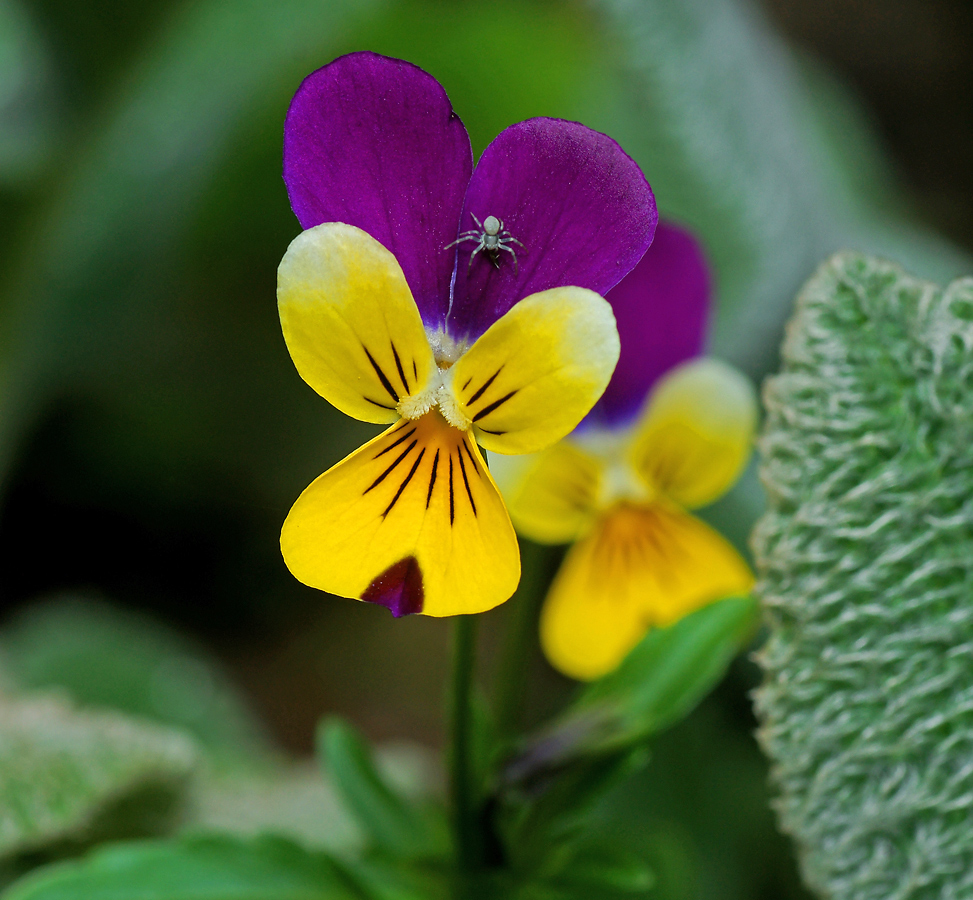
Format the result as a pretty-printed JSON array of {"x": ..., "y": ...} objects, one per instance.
[
  {"x": 865, "y": 566},
  {"x": 68, "y": 776}
]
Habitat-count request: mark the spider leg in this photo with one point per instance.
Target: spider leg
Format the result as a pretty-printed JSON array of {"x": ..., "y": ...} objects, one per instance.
[
  {"x": 469, "y": 268},
  {"x": 465, "y": 236},
  {"x": 510, "y": 250},
  {"x": 514, "y": 240},
  {"x": 479, "y": 224}
]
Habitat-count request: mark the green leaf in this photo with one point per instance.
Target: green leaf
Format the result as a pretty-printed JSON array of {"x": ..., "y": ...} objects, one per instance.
[
  {"x": 600, "y": 871},
  {"x": 382, "y": 878},
  {"x": 863, "y": 562},
  {"x": 657, "y": 684},
  {"x": 106, "y": 656},
  {"x": 391, "y": 823},
  {"x": 544, "y": 824},
  {"x": 670, "y": 670},
  {"x": 196, "y": 868},
  {"x": 69, "y": 777},
  {"x": 548, "y": 788}
]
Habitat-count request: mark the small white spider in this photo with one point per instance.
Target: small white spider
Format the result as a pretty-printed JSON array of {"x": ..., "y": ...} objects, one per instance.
[{"x": 492, "y": 238}]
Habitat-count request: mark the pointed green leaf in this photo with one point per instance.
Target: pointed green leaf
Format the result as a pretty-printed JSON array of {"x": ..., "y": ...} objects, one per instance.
[
  {"x": 657, "y": 684},
  {"x": 544, "y": 823},
  {"x": 601, "y": 871},
  {"x": 671, "y": 670},
  {"x": 382, "y": 878},
  {"x": 196, "y": 868},
  {"x": 547, "y": 789},
  {"x": 390, "y": 822}
]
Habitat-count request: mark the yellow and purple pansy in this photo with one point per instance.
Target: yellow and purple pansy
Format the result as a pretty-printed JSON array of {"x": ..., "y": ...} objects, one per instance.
[
  {"x": 459, "y": 305},
  {"x": 672, "y": 432}
]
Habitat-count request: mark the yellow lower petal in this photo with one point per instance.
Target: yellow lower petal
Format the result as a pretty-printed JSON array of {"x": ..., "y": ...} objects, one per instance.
[
  {"x": 534, "y": 374},
  {"x": 412, "y": 520},
  {"x": 551, "y": 495},
  {"x": 642, "y": 566},
  {"x": 350, "y": 322}
]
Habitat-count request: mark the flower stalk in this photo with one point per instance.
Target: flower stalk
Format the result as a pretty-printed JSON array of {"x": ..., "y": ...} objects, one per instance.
[
  {"x": 518, "y": 640},
  {"x": 462, "y": 790}
]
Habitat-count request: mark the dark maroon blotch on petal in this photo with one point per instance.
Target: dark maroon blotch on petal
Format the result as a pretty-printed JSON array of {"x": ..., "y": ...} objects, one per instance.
[
  {"x": 399, "y": 588},
  {"x": 578, "y": 204},
  {"x": 374, "y": 142},
  {"x": 662, "y": 311}
]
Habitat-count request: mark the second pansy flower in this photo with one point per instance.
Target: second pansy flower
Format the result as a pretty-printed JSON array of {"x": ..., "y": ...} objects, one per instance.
[
  {"x": 671, "y": 433},
  {"x": 392, "y": 324}
]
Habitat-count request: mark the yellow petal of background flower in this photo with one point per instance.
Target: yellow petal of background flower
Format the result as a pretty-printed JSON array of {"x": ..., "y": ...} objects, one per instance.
[
  {"x": 550, "y": 495},
  {"x": 350, "y": 323},
  {"x": 534, "y": 374},
  {"x": 697, "y": 432},
  {"x": 642, "y": 566},
  {"x": 412, "y": 520}
]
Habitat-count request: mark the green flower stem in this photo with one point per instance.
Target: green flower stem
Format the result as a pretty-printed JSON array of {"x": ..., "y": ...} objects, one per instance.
[
  {"x": 463, "y": 801},
  {"x": 516, "y": 651}
]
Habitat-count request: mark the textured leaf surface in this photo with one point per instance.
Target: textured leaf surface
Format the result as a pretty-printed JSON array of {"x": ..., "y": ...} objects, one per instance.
[
  {"x": 65, "y": 773},
  {"x": 864, "y": 572},
  {"x": 106, "y": 656},
  {"x": 198, "y": 868}
]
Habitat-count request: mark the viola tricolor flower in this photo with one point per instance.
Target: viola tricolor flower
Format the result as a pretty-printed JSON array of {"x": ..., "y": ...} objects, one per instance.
[
  {"x": 402, "y": 304},
  {"x": 672, "y": 432}
]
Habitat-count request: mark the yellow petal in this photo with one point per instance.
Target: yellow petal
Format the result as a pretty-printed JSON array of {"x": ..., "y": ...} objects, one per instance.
[
  {"x": 551, "y": 495},
  {"x": 642, "y": 566},
  {"x": 412, "y": 520},
  {"x": 697, "y": 432},
  {"x": 350, "y": 323},
  {"x": 534, "y": 374}
]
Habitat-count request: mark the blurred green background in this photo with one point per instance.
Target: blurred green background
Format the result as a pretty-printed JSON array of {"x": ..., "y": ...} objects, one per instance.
[{"x": 153, "y": 431}]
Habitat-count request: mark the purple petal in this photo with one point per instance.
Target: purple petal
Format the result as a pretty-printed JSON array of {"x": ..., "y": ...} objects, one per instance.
[
  {"x": 374, "y": 142},
  {"x": 579, "y": 205},
  {"x": 399, "y": 588},
  {"x": 662, "y": 309}
]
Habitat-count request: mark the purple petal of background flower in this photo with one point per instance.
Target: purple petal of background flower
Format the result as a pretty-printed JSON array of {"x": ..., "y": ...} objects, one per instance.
[
  {"x": 374, "y": 142},
  {"x": 662, "y": 309},
  {"x": 581, "y": 207}
]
